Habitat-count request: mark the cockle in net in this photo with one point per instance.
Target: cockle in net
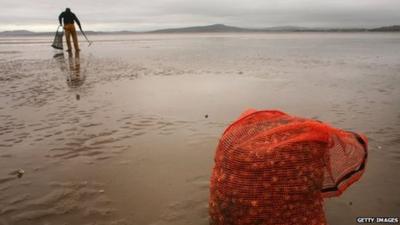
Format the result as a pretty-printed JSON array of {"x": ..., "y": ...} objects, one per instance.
[{"x": 272, "y": 168}]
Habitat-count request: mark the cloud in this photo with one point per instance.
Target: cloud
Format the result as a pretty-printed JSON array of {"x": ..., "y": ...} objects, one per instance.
[{"x": 147, "y": 15}]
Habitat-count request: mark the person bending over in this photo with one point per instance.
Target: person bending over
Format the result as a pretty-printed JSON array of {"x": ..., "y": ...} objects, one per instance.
[{"x": 68, "y": 18}]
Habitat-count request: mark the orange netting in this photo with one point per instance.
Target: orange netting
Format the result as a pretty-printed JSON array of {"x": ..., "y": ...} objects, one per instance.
[{"x": 273, "y": 168}]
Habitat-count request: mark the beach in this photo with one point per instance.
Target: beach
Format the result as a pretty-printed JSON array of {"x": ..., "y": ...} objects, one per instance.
[{"x": 125, "y": 131}]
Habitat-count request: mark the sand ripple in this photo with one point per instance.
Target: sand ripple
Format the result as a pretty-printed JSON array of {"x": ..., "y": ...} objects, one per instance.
[
  {"x": 119, "y": 135},
  {"x": 85, "y": 200}
]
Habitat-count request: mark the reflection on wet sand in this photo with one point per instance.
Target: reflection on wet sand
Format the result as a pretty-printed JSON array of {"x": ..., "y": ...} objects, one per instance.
[
  {"x": 72, "y": 68},
  {"x": 75, "y": 79}
]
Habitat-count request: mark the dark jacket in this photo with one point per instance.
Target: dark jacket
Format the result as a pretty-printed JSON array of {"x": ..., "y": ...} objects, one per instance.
[{"x": 69, "y": 18}]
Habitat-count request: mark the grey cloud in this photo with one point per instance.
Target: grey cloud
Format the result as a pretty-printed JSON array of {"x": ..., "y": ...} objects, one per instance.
[{"x": 135, "y": 14}]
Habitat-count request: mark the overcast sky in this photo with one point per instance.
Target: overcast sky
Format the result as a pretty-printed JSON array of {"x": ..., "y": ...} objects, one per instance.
[{"x": 141, "y": 15}]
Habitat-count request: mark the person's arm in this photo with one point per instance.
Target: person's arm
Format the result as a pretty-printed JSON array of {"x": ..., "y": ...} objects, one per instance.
[
  {"x": 60, "y": 17},
  {"x": 77, "y": 21}
]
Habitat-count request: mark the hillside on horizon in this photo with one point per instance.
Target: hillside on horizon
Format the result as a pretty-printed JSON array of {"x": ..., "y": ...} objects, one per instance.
[{"x": 218, "y": 28}]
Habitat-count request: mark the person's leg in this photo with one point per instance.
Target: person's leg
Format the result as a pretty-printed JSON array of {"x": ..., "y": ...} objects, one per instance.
[
  {"x": 75, "y": 38},
  {"x": 68, "y": 36}
]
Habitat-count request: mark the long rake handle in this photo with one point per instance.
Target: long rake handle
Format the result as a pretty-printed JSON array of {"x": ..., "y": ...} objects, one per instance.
[{"x": 85, "y": 36}]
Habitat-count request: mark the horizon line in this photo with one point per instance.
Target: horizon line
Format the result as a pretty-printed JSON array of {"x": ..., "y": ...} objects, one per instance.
[{"x": 269, "y": 28}]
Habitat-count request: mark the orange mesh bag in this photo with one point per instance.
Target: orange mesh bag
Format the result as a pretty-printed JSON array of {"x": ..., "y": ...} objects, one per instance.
[{"x": 273, "y": 168}]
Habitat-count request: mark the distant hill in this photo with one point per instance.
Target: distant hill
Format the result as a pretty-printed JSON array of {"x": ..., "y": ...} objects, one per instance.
[
  {"x": 202, "y": 29},
  {"x": 217, "y": 28},
  {"x": 30, "y": 33},
  {"x": 285, "y": 28},
  {"x": 17, "y": 32},
  {"x": 220, "y": 28},
  {"x": 387, "y": 29}
]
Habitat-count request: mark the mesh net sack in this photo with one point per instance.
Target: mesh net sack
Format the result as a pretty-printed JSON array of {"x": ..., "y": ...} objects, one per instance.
[
  {"x": 58, "y": 40},
  {"x": 273, "y": 168}
]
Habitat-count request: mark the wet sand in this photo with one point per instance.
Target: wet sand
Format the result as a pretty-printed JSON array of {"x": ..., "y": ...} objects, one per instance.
[{"x": 125, "y": 132}]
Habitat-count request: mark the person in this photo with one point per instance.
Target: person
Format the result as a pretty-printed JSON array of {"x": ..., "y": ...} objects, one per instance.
[
  {"x": 68, "y": 18},
  {"x": 273, "y": 168}
]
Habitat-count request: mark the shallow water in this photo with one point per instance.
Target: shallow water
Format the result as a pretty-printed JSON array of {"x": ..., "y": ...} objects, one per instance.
[{"x": 125, "y": 132}]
